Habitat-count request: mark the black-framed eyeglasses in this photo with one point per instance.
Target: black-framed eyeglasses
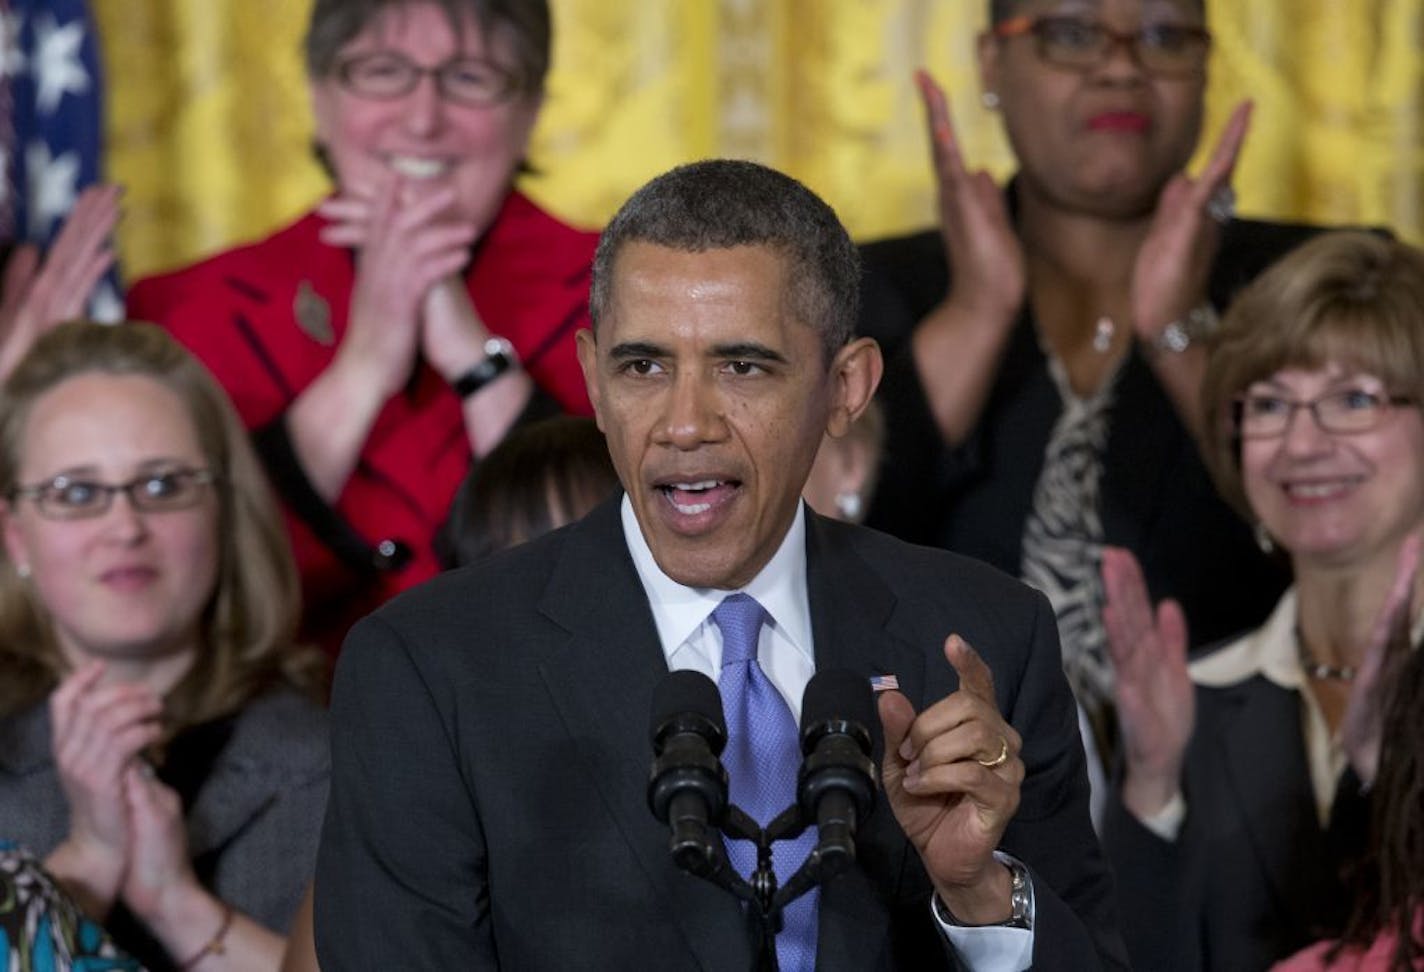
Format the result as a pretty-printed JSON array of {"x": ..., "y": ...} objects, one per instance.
[
  {"x": 464, "y": 80},
  {"x": 1346, "y": 412},
  {"x": 1081, "y": 44},
  {"x": 77, "y": 498}
]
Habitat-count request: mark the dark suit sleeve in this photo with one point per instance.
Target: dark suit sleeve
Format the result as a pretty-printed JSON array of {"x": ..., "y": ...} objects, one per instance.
[
  {"x": 401, "y": 874},
  {"x": 1161, "y": 882},
  {"x": 1075, "y": 920}
]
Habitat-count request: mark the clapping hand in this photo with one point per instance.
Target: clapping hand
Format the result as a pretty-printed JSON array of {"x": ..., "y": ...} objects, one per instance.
[
  {"x": 406, "y": 245},
  {"x": 987, "y": 267},
  {"x": 952, "y": 776},
  {"x": 99, "y": 732},
  {"x": 1173, "y": 264},
  {"x": 1156, "y": 703},
  {"x": 159, "y": 879},
  {"x": 38, "y": 294}
]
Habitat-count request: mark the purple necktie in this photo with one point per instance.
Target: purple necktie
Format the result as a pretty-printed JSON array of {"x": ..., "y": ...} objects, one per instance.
[{"x": 762, "y": 757}]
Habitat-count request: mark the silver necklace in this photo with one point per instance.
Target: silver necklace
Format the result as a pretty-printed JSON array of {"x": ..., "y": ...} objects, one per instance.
[
  {"x": 1103, "y": 333},
  {"x": 1319, "y": 671}
]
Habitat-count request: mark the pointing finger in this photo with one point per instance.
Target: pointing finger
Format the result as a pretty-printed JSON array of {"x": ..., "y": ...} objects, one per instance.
[{"x": 974, "y": 675}]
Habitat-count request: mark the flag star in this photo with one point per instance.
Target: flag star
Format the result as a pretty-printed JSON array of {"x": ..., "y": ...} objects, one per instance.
[
  {"x": 105, "y": 305},
  {"x": 12, "y": 55},
  {"x": 51, "y": 186},
  {"x": 57, "y": 68}
]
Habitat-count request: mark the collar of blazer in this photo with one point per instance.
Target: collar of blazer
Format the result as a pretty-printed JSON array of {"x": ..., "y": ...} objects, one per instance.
[{"x": 613, "y": 653}]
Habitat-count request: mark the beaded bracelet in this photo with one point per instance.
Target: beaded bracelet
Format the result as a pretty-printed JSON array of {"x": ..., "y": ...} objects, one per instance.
[{"x": 215, "y": 944}]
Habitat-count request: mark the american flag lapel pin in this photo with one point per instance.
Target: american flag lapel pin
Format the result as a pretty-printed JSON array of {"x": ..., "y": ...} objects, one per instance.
[{"x": 884, "y": 683}]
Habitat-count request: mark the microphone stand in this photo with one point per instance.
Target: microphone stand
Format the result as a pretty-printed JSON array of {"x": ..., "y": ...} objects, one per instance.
[{"x": 765, "y": 897}]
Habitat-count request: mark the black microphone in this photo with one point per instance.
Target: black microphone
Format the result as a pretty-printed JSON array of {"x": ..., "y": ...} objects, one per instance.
[
  {"x": 688, "y": 786},
  {"x": 836, "y": 785}
]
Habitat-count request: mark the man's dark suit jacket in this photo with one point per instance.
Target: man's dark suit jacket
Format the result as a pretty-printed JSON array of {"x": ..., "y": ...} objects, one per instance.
[
  {"x": 491, "y": 758},
  {"x": 1156, "y": 497}
]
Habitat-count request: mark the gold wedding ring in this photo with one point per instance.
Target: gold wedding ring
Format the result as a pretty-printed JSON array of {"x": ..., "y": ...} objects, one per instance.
[{"x": 998, "y": 760}]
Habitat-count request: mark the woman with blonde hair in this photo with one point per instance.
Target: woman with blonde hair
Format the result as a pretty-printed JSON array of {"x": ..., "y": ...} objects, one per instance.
[
  {"x": 160, "y": 746},
  {"x": 1243, "y": 794}
]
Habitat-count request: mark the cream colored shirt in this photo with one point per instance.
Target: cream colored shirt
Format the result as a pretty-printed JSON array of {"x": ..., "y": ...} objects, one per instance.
[{"x": 1273, "y": 652}]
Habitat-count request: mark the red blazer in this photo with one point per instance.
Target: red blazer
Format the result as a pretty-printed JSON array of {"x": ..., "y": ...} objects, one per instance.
[{"x": 267, "y": 318}]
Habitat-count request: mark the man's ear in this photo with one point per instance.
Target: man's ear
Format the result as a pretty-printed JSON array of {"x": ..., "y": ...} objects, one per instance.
[
  {"x": 588, "y": 361},
  {"x": 855, "y": 374}
]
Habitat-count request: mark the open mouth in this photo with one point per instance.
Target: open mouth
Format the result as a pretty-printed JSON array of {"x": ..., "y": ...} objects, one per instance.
[{"x": 696, "y": 497}]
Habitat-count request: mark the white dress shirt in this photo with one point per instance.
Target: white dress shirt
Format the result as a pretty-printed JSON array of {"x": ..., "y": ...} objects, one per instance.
[{"x": 786, "y": 654}]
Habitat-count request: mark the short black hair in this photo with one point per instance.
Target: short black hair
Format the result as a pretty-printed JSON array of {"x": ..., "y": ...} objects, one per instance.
[
  {"x": 1000, "y": 10},
  {"x": 718, "y": 204},
  {"x": 335, "y": 23}
]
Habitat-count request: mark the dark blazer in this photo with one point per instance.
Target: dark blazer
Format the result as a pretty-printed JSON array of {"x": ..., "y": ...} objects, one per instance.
[
  {"x": 1252, "y": 877},
  {"x": 1156, "y": 497},
  {"x": 252, "y": 826},
  {"x": 491, "y": 757}
]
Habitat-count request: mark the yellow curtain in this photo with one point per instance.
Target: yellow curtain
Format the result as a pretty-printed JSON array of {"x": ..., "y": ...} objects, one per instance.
[{"x": 209, "y": 127}]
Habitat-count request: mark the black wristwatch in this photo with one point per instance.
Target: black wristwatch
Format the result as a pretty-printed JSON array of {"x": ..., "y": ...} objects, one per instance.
[{"x": 499, "y": 358}]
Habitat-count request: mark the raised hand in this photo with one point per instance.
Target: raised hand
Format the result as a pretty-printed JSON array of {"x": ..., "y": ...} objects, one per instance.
[
  {"x": 987, "y": 268},
  {"x": 1156, "y": 703},
  {"x": 38, "y": 294},
  {"x": 1360, "y": 730},
  {"x": 952, "y": 776},
  {"x": 1173, "y": 264},
  {"x": 98, "y": 733}
]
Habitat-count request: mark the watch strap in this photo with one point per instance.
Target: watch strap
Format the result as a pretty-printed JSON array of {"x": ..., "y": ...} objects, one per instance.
[
  {"x": 499, "y": 358},
  {"x": 1020, "y": 899},
  {"x": 1199, "y": 323}
]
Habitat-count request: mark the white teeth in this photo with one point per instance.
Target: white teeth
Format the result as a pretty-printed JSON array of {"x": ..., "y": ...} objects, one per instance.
[
  {"x": 417, "y": 168},
  {"x": 693, "y": 509},
  {"x": 1315, "y": 491},
  {"x": 692, "y": 487}
]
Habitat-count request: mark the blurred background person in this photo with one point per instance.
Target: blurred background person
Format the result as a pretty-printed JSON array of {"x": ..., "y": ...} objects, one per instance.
[
  {"x": 41, "y": 927},
  {"x": 408, "y": 323},
  {"x": 634, "y": 90},
  {"x": 1241, "y": 796},
  {"x": 1385, "y": 932},
  {"x": 39, "y": 291},
  {"x": 1045, "y": 344},
  {"x": 160, "y": 748},
  {"x": 843, "y": 477},
  {"x": 543, "y": 475}
]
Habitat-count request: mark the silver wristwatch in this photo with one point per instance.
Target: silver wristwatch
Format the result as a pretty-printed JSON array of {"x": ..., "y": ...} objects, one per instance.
[
  {"x": 1020, "y": 899},
  {"x": 1199, "y": 323}
]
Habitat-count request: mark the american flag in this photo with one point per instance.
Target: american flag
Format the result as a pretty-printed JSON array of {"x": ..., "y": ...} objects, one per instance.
[
  {"x": 51, "y": 121},
  {"x": 884, "y": 683}
]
